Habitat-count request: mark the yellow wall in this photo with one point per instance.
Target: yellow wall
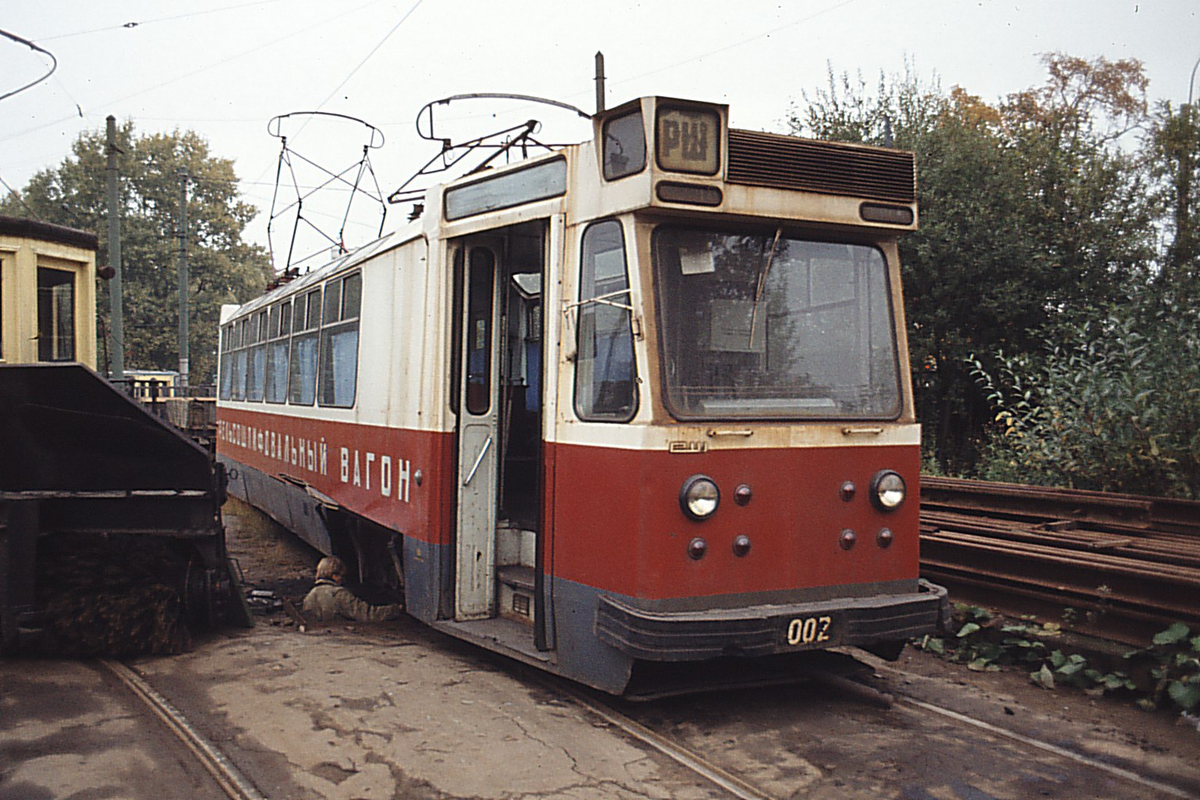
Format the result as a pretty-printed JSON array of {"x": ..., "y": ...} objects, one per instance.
[{"x": 20, "y": 258}]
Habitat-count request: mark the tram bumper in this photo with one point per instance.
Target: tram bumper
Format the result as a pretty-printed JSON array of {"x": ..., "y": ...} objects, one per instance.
[{"x": 764, "y": 630}]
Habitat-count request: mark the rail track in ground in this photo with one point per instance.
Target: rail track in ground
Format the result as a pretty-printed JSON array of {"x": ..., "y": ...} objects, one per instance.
[
  {"x": 1127, "y": 566},
  {"x": 232, "y": 782}
]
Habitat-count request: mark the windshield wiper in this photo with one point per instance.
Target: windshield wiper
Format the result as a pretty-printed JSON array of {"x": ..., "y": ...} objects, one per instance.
[{"x": 762, "y": 282}]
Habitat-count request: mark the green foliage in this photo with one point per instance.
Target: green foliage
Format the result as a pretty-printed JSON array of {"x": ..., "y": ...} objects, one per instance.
[
  {"x": 1110, "y": 403},
  {"x": 1172, "y": 156},
  {"x": 223, "y": 268},
  {"x": 985, "y": 642},
  {"x": 1174, "y": 657}
]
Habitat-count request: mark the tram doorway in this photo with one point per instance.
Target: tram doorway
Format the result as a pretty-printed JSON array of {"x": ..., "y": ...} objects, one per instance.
[{"x": 498, "y": 357}]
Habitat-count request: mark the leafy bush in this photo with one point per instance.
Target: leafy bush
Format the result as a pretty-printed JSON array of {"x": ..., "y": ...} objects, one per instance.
[
  {"x": 986, "y": 642},
  {"x": 1111, "y": 403},
  {"x": 1175, "y": 655}
]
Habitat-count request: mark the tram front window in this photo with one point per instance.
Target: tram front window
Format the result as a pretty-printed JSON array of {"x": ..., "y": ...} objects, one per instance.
[{"x": 766, "y": 326}]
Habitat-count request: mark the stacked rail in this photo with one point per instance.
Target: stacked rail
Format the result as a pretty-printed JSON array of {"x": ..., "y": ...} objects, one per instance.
[{"x": 1122, "y": 567}]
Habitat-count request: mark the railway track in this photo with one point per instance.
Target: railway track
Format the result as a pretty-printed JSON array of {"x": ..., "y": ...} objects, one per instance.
[
  {"x": 731, "y": 779},
  {"x": 233, "y": 783},
  {"x": 1127, "y": 566}
]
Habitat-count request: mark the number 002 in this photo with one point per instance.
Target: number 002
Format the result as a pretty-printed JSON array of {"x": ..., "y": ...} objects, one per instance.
[{"x": 808, "y": 630}]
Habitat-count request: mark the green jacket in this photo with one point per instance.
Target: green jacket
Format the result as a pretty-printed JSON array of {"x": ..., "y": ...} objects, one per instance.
[{"x": 329, "y": 601}]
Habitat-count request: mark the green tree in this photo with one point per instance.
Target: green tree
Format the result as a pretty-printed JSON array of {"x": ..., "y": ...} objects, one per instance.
[
  {"x": 1173, "y": 159},
  {"x": 222, "y": 267},
  {"x": 1110, "y": 403}
]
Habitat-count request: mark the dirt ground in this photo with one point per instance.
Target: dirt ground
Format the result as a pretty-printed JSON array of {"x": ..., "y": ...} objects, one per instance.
[
  {"x": 1109, "y": 728},
  {"x": 270, "y": 558},
  {"x": 397, "y": 710}
]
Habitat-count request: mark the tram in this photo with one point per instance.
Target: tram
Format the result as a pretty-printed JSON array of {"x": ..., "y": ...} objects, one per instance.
[{"x": 634, "y": 408}]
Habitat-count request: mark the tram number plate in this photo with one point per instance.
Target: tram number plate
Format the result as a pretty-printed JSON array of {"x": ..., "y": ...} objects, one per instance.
[{"x": 803, "y": 631}]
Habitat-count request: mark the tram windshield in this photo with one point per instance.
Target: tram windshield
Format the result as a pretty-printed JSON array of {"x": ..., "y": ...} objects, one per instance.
[{"x": 766, "y": 326}]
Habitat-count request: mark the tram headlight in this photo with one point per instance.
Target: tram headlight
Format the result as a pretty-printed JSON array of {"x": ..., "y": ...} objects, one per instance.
[
  {"x": 699, "y": 497},
  {"x": 887, "y": 490}
]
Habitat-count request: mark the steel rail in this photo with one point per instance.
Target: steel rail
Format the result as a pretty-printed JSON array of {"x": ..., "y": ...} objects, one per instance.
[
  {"x": 231, "y": 780},
  {"x": 1132, "y": 562},
  {"x": 1055, "y": 749},
  {"x": 681, "y": 755}
]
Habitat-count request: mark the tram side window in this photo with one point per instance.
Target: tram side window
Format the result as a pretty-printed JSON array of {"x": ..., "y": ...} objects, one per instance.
[
  {"x": 257, "y": 357},
  {"x": 56, "y": 314},
  {"x": 238, "y": 365},
  {"x": 302, "y": 372},
  {"x": 605, "y": 376},
  {"x": 225, "y": 377},
  {"x": 279, "y": 329},
  {"x": 339, "y": 342}
]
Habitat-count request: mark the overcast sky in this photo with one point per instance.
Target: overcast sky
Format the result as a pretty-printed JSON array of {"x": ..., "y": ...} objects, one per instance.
[{"x": 225, "y": 67}]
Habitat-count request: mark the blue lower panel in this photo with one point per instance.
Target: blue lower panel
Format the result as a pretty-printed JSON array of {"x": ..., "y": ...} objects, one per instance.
[
  {"x": 286, "y": 503},
  {"x": 580, "y": 655},
  {"x": 423, "y": 579},
  {"x": 768, "y": 630}
]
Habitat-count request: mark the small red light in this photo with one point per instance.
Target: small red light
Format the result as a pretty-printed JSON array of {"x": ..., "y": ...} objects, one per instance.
[
  {"x": 105, "y": 273},
  {"x": 884, "y": 537},
  {"x": 847, "y": 539},
  {"x": 697, "y": 548},
  {"x": 847, "y": 491},
  {"x": 742, "y": 494},
  {"x": 741, "y": 546}
]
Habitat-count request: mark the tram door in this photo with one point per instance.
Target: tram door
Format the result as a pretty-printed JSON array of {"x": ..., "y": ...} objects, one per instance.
[{"x": 478, "y": 430}]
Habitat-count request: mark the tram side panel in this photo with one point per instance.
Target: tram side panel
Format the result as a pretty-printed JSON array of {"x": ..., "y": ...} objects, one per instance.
[{"x": 383, "y": 458}]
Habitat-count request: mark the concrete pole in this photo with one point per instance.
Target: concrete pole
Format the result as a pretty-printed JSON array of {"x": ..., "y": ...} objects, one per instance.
[
  {"x": 116, "y": 322},
  {"x": 183, "y": 279}
]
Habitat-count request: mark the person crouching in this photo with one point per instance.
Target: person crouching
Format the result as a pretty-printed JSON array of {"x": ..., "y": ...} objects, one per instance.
[{"x": 329, "y": 600}]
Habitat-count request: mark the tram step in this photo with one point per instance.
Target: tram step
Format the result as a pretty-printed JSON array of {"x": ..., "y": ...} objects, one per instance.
[
  {"x": 515, "y": 545},
  {"x": 516, "y": 593}
]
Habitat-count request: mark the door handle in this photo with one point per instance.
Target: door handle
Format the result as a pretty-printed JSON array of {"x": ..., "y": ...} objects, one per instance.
[{"x": 478, "y": 461}]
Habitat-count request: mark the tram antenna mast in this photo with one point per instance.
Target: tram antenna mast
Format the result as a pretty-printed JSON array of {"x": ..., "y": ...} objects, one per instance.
[{"x": 599, "y": 82}]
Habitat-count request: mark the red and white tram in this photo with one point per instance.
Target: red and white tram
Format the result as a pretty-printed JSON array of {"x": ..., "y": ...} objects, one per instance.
[{"x": 643, "y": 400}]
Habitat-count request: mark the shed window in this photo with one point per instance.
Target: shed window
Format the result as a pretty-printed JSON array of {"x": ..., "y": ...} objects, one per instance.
[{"x": 56, "y": 314}]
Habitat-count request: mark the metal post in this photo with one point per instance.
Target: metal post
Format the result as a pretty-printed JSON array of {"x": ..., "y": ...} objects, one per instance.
[
  {"x": 599, "y": 82},
  {"x": 116, "y": 323},
  {"x": 183, "y": 279}
]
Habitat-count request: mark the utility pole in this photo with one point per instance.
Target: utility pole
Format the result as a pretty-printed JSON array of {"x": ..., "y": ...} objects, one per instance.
[
  {"x": 183, "y": 279},
  {"x": 116, "y": 322}
]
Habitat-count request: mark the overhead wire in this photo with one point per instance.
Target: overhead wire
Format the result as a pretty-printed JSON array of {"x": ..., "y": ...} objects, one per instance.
[
  {"x": 737, "y": 44},
  {"x": 137, "y": 24},
  {"x": 35, "y": 48},
  {"x": 19, "y": 199},
  {"x": 205, "y": 68},
  {"x": 691, "y": 59},
  {"x": 367, "y": 58}
]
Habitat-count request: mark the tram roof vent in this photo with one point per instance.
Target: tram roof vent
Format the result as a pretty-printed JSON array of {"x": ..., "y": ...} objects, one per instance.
[{"x": 789, "y": 162}]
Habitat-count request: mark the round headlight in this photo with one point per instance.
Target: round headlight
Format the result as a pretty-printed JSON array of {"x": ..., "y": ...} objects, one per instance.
[
  {"x": 887, "y": 490},
  {"x": 699, "y": 497}
]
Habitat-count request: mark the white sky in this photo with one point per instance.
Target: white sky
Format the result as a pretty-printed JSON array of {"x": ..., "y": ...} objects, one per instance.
[{"x": 224, "y": 67}]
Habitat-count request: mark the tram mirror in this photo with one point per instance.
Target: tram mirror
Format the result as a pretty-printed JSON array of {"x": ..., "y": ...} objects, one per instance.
[{"x": 528, "y": 284}]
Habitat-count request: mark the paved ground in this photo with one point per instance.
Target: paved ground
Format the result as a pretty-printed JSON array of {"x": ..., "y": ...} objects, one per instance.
[
  {"x": 397, "y": 710},
  {"x": 71, "y": 729}
]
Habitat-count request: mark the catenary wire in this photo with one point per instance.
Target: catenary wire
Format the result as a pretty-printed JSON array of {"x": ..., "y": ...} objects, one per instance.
[
  {"x": 143, "y": 23},
  {"x": 36, "y": 48}
]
